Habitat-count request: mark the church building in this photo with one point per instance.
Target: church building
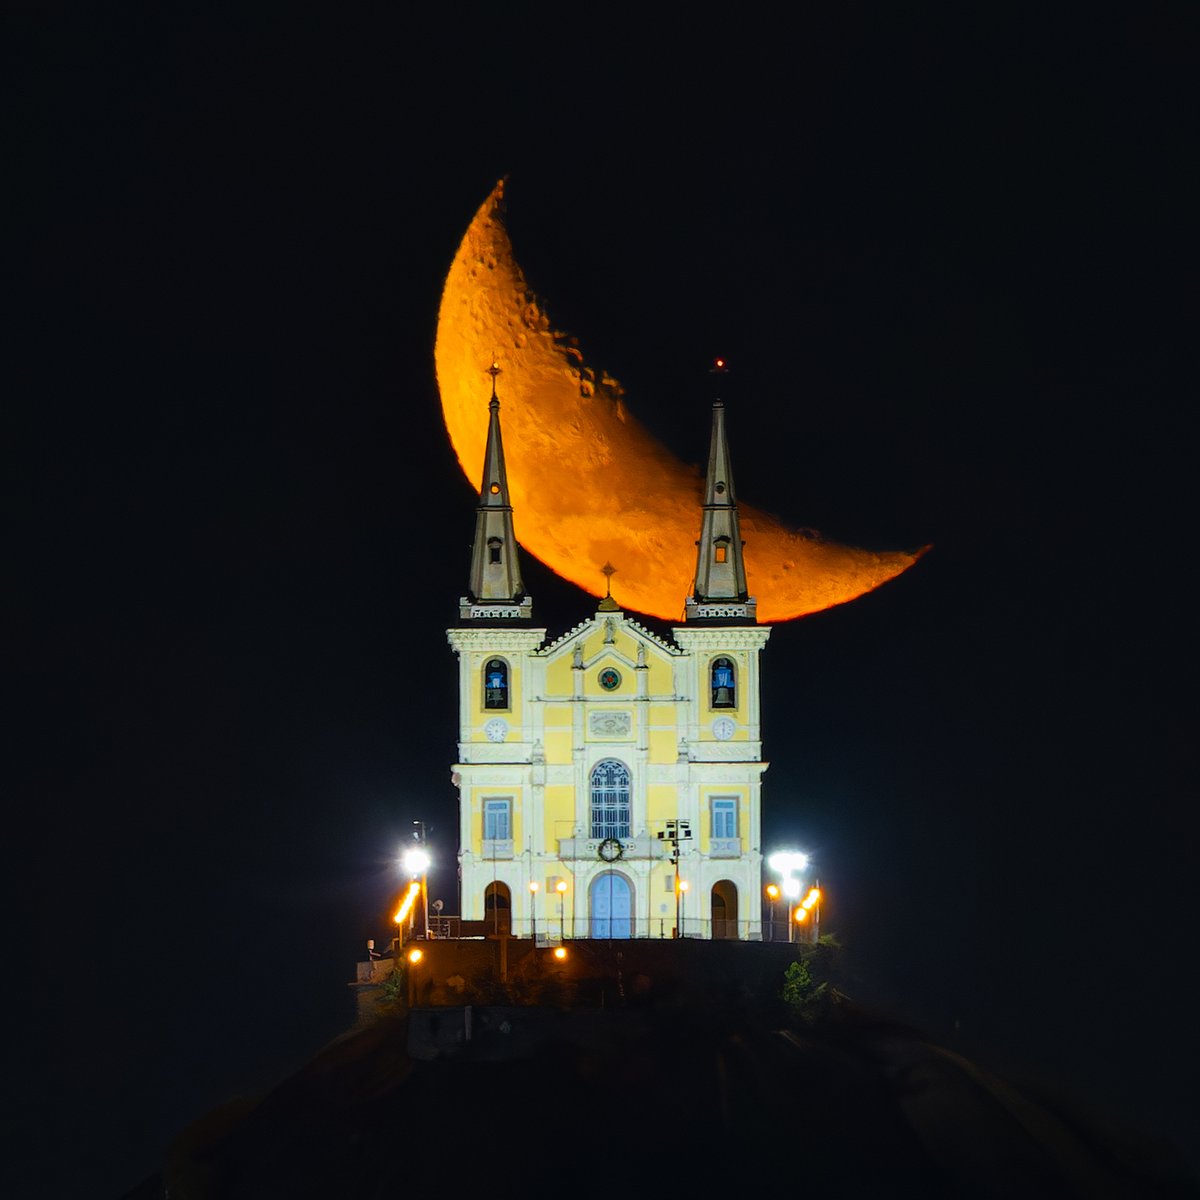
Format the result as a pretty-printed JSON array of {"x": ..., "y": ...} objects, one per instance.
[{"x": 610, "y": 779}]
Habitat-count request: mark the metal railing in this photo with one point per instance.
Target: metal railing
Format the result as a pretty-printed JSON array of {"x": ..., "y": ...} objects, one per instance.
[
  {"x": 660, "y": 928},
  {"x": 583, "y": 927},
  {"x": 445, "y": 928}
]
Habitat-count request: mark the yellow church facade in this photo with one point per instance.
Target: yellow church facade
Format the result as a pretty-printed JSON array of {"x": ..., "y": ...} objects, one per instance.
[{"x": 610, "y": 779}]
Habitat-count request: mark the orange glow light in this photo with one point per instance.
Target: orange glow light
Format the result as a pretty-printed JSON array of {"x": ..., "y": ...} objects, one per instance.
[
  {"x": 415, "y": 956},
  {"x": 410, "y": 897},
  {"x": 772, "y": 891},
  {"x": 800, "y": 915},
  {"x": 560, "y": 953},
  {"x": 813, "y": 896}
]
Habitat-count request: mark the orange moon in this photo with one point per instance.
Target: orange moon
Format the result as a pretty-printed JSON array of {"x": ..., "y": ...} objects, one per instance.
[{"x": 589, "y": 484}]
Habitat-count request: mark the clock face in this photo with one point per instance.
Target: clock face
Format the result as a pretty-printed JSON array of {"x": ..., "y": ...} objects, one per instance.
[
  {"x": 610, "y": 679},
  {"x": 496, "y": 730},
  {"x": 724, "y": 728}
]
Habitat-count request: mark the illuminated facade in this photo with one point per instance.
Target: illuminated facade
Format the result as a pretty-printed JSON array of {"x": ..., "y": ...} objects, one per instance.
[{"x": 617, "y": 771}]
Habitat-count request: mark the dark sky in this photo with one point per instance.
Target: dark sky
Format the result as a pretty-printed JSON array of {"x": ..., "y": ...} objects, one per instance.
[{"x": 951, "y": 263}]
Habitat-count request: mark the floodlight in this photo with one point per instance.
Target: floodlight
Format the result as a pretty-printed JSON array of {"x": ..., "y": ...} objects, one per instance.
[{"x": 416, "y": 862}]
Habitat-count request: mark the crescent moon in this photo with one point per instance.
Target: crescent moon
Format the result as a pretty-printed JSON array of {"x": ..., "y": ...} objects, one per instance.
[{"x": 589, "y": 483}]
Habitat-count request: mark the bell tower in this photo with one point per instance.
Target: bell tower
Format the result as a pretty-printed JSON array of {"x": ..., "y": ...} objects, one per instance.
[
  {"x": 719, "y": 591},
  {"x": 495, "y": 590}
]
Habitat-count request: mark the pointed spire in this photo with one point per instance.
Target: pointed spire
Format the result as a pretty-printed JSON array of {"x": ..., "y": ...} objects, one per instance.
[
  {"x": 496, "y": 589},
  {"x": 719, "y": 591}
]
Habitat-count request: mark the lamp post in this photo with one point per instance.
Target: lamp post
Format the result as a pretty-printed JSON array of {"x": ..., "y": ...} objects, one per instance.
[
  {"x": 812, "y": 903},
  {"x": 402, "y": 913},
  {"x": 414, "y": 956},
  {"x": 787, "y": 863},
  {"x": 799, "y": 915},
  {"x": 416, "y": 863},
  {"x": 561, "y": 888},
  {"x": 683, "y": 887},
  {"x": 533, "y": 891},
  {"x": 791, "y": 893},
  {"x": 676, "y": 831},
  {"x": 772, "y": 896}
]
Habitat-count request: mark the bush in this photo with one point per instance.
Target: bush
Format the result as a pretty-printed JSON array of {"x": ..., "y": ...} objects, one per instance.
[{"x": 801, "y": 992}]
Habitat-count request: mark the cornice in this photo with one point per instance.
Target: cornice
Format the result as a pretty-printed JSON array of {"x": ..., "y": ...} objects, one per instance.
[
  {"x": 495, "y": 639},
  {"x": 733, "y": 637}
]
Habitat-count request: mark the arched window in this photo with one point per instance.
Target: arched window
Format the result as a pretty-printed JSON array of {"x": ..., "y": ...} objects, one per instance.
[
  {"x": 610, "y": 799},
  {"x": 721, "y": 549},
  {"x": 495, "y": 684},
  {"x": 494, "y": 545},
  {"x": 724, "y": 689}
]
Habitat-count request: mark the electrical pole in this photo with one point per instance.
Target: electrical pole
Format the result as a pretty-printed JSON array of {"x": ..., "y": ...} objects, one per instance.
[
  {"x": 419, "y": 838},
  {"x": 676, "y": 831}
]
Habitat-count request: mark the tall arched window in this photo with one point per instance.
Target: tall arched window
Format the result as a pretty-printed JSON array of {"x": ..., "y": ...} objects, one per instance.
[
  {"x": 495, "y": 684},
  {"x": 610, "y": 799},
  {"x": 724, "y": 689}
]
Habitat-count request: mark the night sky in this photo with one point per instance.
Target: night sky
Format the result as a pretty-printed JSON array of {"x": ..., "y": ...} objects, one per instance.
[{"x": 951, "y": 264}]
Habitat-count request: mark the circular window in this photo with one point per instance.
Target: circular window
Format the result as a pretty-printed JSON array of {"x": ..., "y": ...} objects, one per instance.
[{"x": 610, "y": 679}]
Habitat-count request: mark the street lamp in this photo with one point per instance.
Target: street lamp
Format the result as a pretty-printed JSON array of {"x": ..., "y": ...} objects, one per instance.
[
  {"x": 406, "y": 907},
  {"x": 414, "y": 956},
  {"x": 683, "y": 887},
  {"x": 561, "y": 888},
  {"x": 416, "y": 864},
  {"x": 773, "y": 894},
  {"x": 533, "y": 891},
  {"x": 787, "y": 863},
  {"x": 799, "y": 916},
  {"x": 812, "y": 903}
]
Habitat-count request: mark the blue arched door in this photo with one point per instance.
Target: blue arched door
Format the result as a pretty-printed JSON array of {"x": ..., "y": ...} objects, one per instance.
[{"x": 611, "y": 906}]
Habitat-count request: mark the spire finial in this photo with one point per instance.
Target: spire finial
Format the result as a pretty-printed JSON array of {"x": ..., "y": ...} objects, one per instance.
[
  {"x": 608, "y": 604},
  {"x": 493, "y": 371},
  {"x": 719, "y": 368}
]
